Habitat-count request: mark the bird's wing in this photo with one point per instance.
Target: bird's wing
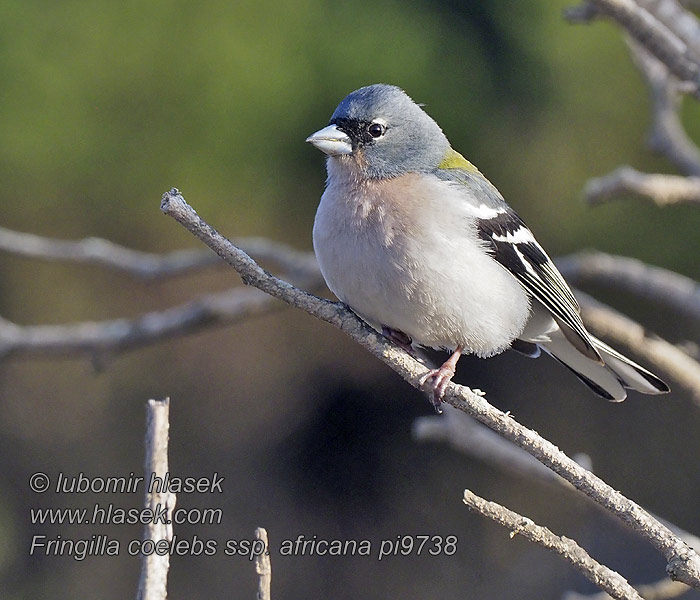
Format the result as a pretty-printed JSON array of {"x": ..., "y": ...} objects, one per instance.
[{"x": 514, "y": 247}]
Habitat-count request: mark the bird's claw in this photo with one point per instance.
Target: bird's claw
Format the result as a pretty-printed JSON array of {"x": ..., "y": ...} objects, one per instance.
[{"x": 441, "y": 377}]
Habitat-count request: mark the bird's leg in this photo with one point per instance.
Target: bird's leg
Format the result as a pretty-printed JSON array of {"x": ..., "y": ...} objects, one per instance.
[
  {"x": 441, "y": 377},
  {"x": 400, "y": 339}
]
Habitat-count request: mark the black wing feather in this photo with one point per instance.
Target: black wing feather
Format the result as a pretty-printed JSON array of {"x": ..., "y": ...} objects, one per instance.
[{"x": 516, "y": 249}]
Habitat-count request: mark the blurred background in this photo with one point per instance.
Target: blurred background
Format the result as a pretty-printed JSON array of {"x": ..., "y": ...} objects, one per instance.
[{"x": 106, "y": 105}]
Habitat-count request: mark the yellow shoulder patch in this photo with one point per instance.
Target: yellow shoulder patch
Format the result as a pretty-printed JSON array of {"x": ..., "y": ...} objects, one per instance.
[{"x": 454, "y": 160}]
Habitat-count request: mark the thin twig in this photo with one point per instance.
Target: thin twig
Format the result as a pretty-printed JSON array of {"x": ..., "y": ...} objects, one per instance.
[
  {"x": 656, "y": 284},
  {"x": 606, "y": 579},
  {"x": 145, "y": 265},
  {"x": 663, "y": 43},
  {"x": 610, "y": 324},
  {"x": 682, "y": 22},
  {"x": 103, "y": 339},
  {"x": 661, "y": 189},
  {"x": 263, "y": 566},
  {"x": 667, "y": 135},
  {"x": 153, "y": 582},
  {"x": 683, "y": 562}
]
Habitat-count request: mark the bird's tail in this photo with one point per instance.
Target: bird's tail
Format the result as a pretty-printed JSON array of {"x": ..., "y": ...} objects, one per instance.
[{"x": 608, "y": 380}]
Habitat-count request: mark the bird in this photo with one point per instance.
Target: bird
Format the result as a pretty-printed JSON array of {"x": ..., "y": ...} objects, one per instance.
[{"x": 421, "y": 246}]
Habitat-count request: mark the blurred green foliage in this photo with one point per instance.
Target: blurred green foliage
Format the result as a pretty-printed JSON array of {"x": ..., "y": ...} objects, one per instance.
[{"x": 105, "y": 105}]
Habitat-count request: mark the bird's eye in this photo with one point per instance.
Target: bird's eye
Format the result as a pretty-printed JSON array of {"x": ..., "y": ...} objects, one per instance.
[{"x": 376, "y": 130}]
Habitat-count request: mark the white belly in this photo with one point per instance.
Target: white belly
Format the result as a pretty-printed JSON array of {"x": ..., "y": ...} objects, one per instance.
[{"x": 402, "y": 260}]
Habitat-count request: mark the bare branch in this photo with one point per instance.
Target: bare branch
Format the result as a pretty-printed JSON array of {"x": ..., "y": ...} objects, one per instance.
[
  {"x": 145, "y": 265},
  {"x": 263, "y": 567},
  {"x": 667, "y": 135},
  {"x": 679, "y": 20},
  {"x": 662, "y": 189},
  {"x": 608, "y": 323},
  {"x": 102, "y": 339},
  {"x": 633, "y": 276},
  {"x": 606, "y": 579},
  {"x": 153, "y": 582},
  {"x": 683, "y": 562},
  {"x": 663, "y": 43},
  {"x": 104, "y": 253}
]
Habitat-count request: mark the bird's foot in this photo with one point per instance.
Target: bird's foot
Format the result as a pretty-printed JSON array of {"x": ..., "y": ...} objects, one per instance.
[
  {"x": 441, "y": 377},
  {"x": 399, "y": 338}
]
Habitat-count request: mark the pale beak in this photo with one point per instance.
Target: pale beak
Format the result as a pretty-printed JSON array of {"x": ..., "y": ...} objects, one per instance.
[{"x": 331, "y": 140}]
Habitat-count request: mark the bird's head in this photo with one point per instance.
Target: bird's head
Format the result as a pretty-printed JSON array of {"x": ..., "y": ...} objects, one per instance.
[{"x": 382, "y": 133}]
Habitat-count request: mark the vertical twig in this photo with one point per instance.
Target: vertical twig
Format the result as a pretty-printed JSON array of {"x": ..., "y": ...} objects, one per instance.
[
  {"x": 262, "y": 566},
  {"x": 154, "y": 568}
]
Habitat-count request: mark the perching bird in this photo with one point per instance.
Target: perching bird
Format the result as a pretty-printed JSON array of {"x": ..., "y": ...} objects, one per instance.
[{"x": 418, "y": 243}]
